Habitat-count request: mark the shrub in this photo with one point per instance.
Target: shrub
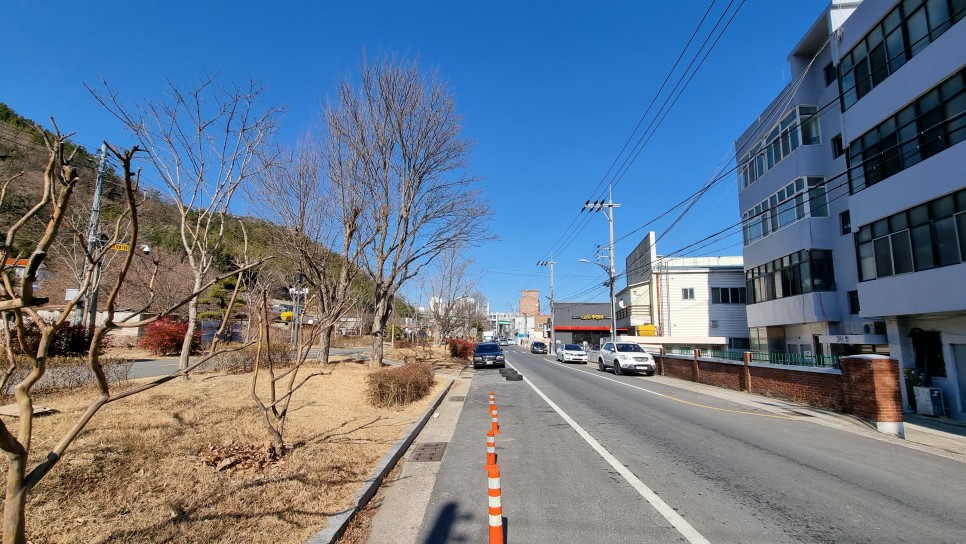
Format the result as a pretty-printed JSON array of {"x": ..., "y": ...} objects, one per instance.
[
  {"x": 164, "y": 337},
  {"x": 67, "y": 373},
  {"x": 460, "y": 348},
  {"x": 399, "y": 385},
  {"x": 243, "y": 360},
  {"x": 68, "y": 340}
]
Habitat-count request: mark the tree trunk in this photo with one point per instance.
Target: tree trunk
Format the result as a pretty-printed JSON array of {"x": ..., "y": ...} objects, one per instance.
[
  {"x": 192, "y": 326},
  {"x": 380, "y": 318},
  {"x": 377, "y": 349},
  {"x": 15, "y": 504},
  {"x": 325, "y": 344}
]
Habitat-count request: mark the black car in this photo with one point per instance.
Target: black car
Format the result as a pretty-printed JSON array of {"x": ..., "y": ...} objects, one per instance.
[
  {"x": 488, "y": 354},
  {"x": 538, "y": 347}
]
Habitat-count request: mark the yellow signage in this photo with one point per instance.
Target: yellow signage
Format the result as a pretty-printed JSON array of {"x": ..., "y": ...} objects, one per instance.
[
  {"x": 592, "y": 317},
  {"x": 121, "y": 247}
]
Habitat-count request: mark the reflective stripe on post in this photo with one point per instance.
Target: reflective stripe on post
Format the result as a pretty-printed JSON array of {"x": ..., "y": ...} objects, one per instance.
[
  {"x": 490, "y": 448},
  {"x": 495, "y": 504}
]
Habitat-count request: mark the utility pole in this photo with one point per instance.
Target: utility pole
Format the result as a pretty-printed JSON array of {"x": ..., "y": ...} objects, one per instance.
[
  {"x": 553, "y": 318},
  {"x": 94, "y": 240},
  {"x": 608, "y": 209}
]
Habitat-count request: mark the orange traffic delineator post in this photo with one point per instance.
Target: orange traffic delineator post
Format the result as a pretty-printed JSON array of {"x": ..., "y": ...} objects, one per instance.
[
  {"x": 495, "y": 420},
  {"x": 495, "y": 503},
  {"x": 492, "y": 401},
  {"x": 490, "y": 448}
]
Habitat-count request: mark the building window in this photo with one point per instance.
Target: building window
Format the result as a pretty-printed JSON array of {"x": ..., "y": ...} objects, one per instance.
[
  {"x": 831, "y": 74},
  {"x": 845, "y": 220},
  {"x": 799, "y": 127},
  {"x": 758, "y": 340},
  {"x": 899, "y": 36},
  {"x": 687, "y": 293},
  {"x": 803, "y": 197},
  {"x": 854, "y": 302},
  {"x": 728, "y": 295},
  {"x": 926, "y": 236},
  {"x": 837, "y": 148},
  {"x": 931, "y": 124},
  {"x": 801, "y": 272}
]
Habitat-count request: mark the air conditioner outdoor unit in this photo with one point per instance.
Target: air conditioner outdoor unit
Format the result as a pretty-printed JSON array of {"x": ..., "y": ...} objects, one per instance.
[{"x": 875, "y": 327}]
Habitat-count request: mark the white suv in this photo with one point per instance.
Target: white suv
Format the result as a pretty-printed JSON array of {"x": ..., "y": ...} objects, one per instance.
[{"x": 626, "y": 357}]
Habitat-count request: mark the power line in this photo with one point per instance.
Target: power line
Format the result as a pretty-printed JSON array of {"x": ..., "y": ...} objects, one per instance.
[{"x": 574, "y": 229}]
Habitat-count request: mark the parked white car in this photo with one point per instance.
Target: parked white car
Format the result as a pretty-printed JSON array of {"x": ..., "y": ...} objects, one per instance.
[
  {"x": 625, "y": 357},
  {"x": 571, "y": 353}
]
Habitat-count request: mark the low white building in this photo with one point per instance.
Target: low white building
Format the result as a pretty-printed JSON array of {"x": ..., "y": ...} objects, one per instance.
[{"x": 684, "y": 301}]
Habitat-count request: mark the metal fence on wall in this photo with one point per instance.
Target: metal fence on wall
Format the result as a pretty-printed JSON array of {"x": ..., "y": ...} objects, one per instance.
[{"x": 771, "y": 357}]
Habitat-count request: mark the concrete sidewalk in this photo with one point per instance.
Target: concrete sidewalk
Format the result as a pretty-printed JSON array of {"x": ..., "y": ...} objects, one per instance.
[{"x": 403, "y": 500}]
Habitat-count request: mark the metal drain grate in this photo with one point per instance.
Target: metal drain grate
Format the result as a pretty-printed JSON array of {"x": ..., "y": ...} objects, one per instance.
[
  {"x": 457, "y": 398},
  {"x": 429, "y": 451}
]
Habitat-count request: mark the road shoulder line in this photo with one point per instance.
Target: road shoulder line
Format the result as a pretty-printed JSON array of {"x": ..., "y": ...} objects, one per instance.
[{"x": 675, "y": 519}]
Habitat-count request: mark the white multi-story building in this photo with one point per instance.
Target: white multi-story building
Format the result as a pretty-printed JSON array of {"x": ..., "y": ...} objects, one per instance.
[
  {"x": 853, "y": 192},
  {"x": 694, "y": 301}
]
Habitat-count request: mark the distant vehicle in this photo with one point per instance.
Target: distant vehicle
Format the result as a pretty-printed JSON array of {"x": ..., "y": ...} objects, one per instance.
[
  {"x": 624, "y": 357},
  {"x": 504, "y": 342},
  {"x": 538, "y": 347},
  {"x": 567, "y": 353},
  {"x": 488, "y": 354}
]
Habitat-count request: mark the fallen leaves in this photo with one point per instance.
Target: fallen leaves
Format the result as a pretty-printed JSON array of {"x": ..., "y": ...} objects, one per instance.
[{"x": 240, "y": 456}]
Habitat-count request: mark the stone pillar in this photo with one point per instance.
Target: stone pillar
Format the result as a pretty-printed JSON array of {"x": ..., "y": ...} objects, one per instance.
[
  {"x": 871, "y": 389},
  {"x": 695, "y": 371},
  {"x": 660, "y": 363},
  {"x": 746, "y": 382}
]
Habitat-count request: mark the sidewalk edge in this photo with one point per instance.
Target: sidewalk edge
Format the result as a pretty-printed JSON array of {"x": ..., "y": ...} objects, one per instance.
[{"x": 338, "y": 523}]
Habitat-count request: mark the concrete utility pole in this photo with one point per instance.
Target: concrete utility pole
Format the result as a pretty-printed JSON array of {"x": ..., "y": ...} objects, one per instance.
[
  {"x": 553, "y": 318},
  {"x": 608, "y": 209},
  {"x": 94, "y": 240}
]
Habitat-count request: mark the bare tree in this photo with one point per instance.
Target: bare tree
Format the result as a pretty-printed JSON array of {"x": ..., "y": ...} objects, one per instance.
[
  {"x": 399, "y": 131},
  {"x": 321, "y": 215},
  {"x": 204, "y": 142},
  {"x": 452, "y": 305},
  {"x": 18, "y": 303},
  {"x": 282, "y": 379}
]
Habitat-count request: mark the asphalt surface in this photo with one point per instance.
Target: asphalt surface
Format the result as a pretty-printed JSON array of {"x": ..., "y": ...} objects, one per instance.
[{"x": 644, "y": 461}]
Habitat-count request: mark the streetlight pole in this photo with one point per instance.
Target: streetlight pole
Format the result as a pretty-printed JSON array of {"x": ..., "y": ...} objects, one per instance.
[
  {"x": 298, "y": 293},
  {"x": 608, "y": 209},
  {"x": 553, "y": 318},
  {"x": 613, "y": 312}
]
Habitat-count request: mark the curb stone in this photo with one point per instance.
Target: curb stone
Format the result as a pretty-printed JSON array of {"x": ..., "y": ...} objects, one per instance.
[{"x": 338, "y": 523}]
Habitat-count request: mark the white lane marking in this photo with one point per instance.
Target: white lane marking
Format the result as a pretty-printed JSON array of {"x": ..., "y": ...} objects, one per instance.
[{"x": 675, "y": 519}]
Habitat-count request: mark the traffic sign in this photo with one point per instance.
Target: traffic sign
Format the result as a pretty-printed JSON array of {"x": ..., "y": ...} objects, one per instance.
[{"x": 121, "y": 247}]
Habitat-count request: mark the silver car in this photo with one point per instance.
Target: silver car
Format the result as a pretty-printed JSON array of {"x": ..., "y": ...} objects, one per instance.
[{"x": 571, "y": 353}]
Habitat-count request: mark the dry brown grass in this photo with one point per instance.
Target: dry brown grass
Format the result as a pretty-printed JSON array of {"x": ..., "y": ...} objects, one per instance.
[
  {"x": 438, "y": 356},
  {"x": 137, "y": 473}
]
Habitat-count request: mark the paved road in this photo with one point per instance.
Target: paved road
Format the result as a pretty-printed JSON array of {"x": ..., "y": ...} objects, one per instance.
[{"x": 672, "y": 465}]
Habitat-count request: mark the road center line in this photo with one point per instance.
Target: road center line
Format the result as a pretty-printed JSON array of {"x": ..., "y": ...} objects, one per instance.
[{"x": 679, "y": 523}]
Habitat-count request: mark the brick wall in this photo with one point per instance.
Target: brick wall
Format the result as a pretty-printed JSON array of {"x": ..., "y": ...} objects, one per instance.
[
  {"x": 866, "y": 387},
  {"x": 871, "y": 387}
]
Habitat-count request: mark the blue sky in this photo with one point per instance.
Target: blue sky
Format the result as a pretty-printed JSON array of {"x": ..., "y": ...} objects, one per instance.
[{"x": 549, "y": 91}]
